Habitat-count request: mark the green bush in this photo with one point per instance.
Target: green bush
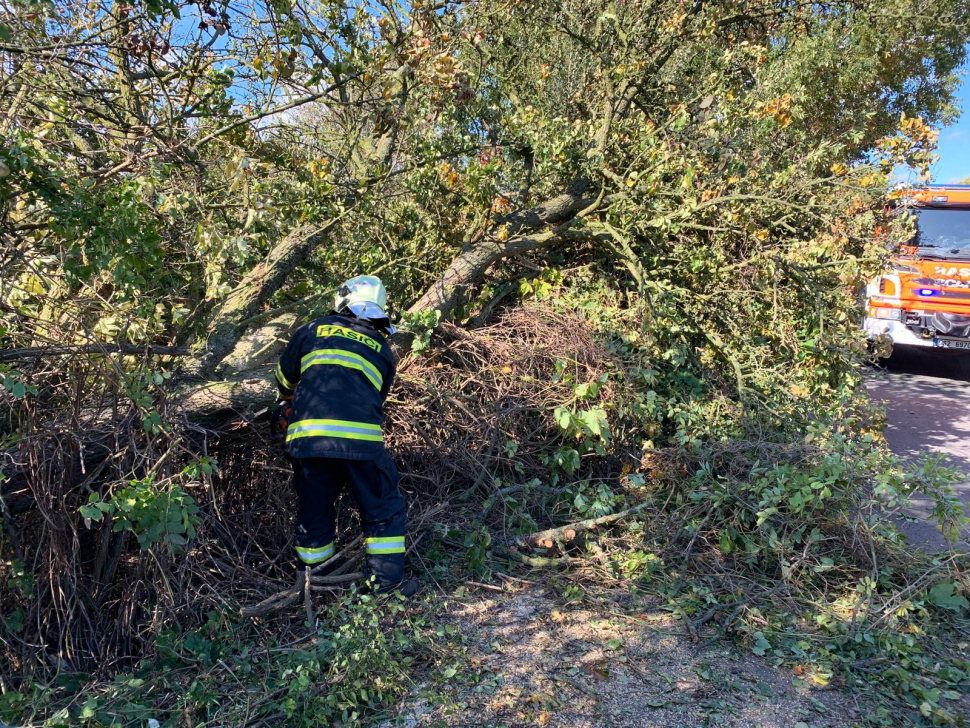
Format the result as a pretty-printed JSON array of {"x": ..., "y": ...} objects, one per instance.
[{"x": 165, "y": 515}]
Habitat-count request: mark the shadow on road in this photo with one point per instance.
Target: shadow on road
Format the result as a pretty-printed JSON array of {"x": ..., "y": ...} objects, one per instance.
[
  {"x": 927, "y": 401},
  {"x": 939, "y": 365}
]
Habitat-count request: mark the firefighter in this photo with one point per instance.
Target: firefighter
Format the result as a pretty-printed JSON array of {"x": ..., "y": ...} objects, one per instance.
[{"x": 334, "y": 376}]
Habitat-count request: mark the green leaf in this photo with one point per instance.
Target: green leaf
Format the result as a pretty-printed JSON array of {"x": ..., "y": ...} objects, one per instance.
[
  {"x": 564, "y": 418},
  {"x": 14, "y": 621},
  {"x": 761, "y": 645},
  {"x": 568, "y": 460},
  {"x": 944, "y": 595},
  {"x": 825, "y": 563},
  {"x": 89, "y": 710},
  {"x": 595, "y": 421},
  {"x": 91, "y": 512}
]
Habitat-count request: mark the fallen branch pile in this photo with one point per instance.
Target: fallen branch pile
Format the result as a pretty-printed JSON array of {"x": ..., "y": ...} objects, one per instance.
[
  {"x": 473, "y": 421},
  {"x": 473, "y": 429},
  {"x": 470, "y": 425}
]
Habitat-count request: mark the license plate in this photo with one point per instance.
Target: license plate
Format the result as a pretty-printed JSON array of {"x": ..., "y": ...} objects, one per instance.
[{"x": 952, "y": 343}]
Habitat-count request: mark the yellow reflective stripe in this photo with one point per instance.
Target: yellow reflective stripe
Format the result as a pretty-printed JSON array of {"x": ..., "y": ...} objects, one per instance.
[
  {"x": 344, "y": 358},
  {"x": 339, "y": 423},
  {"x": 314, "y": 550},
  {"x": 337, "y": 352},
  {"x": 334, "y": 428},
  {"x": 331, "y": 330},
  {"x": 314, "y": 555},
  {"x": 343, "y": 435},
  {"x": 282, "y": 378},
  {"x": 385, "y": 545}
]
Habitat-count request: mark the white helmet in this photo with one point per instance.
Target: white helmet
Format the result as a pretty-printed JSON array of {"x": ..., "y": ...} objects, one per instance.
[{"x": 366, "y": 298}]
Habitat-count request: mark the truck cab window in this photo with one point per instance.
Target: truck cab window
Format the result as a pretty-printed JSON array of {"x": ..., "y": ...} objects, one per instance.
[{"x": 945, "y": 230}]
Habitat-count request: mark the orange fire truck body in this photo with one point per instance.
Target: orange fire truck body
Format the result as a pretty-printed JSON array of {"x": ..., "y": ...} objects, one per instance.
[{"x": 925, "y": 299}]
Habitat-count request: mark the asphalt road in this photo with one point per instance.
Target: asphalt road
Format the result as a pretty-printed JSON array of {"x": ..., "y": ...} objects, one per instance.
[{"x": 927, "y": 400}]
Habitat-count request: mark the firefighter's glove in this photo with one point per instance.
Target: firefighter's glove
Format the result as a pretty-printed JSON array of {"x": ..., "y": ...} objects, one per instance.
[{"x": 281, "y": 418}]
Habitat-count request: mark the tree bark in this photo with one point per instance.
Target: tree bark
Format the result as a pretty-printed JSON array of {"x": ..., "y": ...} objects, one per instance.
[
  {"x": 259, "y": 348},
  {"x": 211, "y": 403},
  {"x": 227, "y": 325},
  {"x": 469, "y": 267}
]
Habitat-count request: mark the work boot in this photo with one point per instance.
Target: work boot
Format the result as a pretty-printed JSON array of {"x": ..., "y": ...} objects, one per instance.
[{"x": 408, "y": 588}]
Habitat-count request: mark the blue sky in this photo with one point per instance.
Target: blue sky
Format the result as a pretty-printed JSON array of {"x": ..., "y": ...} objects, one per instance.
[{"x": 954, "y": 144}]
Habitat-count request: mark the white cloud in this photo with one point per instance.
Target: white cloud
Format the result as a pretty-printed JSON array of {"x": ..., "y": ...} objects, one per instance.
[{"x": 954, "y": 135}]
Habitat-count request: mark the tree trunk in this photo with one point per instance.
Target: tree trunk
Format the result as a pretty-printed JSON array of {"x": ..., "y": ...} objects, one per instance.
[
  {"x": 211, "y": 403},
  {"x": 469, "y": 267},
  {"x": 259, "y": 348},
  {"x": 246, "y": 392},
  {"x": 243, "y": 302}
]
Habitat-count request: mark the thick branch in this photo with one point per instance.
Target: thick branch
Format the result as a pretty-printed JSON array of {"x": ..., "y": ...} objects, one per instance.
[
  {"x": 540, "y": 538},
  {"x": 210, "y": 402},
  {"x": 33, "y": 351},
  {"x": 469, "y": 267},
  {"x": 259, "y": 348},
  {"x": 243, "y": 302}
]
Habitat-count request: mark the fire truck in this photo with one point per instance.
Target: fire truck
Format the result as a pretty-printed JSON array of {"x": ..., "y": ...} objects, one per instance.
[{"x": 924, "y": 299}]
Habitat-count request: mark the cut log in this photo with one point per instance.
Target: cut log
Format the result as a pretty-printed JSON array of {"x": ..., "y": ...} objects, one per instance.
[{"x": 208, "y": 403}]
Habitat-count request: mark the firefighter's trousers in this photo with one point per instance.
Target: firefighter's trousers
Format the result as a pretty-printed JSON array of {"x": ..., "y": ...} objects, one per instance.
[{"x": 374, "y": 485}]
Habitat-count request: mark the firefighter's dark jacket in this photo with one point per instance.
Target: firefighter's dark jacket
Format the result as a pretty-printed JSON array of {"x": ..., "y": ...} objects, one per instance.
[{"x": 339, "y": 369}]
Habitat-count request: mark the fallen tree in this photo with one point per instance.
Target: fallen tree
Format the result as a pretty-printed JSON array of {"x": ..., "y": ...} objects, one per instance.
[{"x": 626, "y": 240}]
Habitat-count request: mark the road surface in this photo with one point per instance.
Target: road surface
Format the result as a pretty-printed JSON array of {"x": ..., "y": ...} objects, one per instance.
[{"x": 927, "y": 400}]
